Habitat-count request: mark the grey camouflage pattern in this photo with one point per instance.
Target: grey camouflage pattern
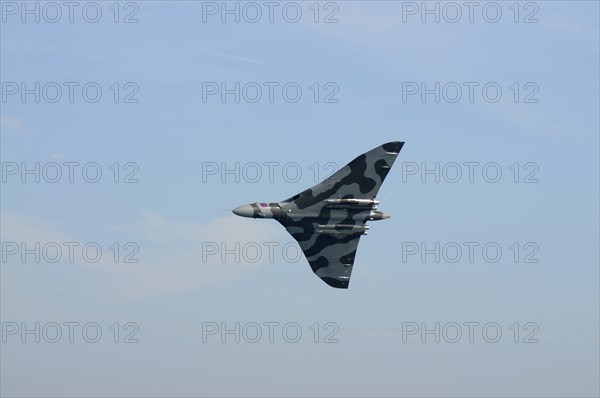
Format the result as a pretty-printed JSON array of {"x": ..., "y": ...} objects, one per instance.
[{"x": 328, "y": 219}]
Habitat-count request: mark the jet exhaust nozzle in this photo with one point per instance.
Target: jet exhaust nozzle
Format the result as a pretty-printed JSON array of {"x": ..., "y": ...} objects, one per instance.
[{"x": 378, "y": 215}]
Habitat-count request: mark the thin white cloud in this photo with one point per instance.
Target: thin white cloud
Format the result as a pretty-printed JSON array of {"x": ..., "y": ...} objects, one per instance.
[
  {"x": 11, "y": 124},
  {"x": 18, "y": 227},
  {"x": 172, "y": 254},
  {"x": 236, "y": 58},
  {"x": 57, "y": 155}
]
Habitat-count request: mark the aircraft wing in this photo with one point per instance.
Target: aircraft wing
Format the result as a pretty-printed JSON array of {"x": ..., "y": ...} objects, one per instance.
[
  {"x": 360, "y": 179},
  {"x": 330, "y": 255},
  {"x": 327, "y": 233}
]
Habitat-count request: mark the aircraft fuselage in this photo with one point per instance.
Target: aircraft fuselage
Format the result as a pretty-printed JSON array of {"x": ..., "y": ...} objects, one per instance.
[{"x": 335, "y": 210}]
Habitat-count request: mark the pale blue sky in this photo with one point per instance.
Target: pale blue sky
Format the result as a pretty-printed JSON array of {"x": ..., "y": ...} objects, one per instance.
[{"x": 369, "y": 53}]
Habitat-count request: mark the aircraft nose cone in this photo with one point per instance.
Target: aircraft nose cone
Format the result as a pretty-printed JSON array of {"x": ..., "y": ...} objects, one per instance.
[{"x": 244, "y": 211}]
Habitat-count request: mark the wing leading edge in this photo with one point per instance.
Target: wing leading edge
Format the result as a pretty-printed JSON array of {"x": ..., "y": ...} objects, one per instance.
[{"x": 328, "y": 219}]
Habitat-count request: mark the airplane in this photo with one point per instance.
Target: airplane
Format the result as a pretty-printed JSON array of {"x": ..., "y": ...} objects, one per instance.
[{"x": 328, "y": 219}]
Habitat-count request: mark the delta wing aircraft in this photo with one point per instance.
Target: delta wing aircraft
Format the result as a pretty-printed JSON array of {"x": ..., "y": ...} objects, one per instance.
[{"x": 329, "y": 218}]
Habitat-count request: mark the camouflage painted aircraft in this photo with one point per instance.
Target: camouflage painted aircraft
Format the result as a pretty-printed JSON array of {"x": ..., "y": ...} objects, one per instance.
[{"x": 328, "y": 219}]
